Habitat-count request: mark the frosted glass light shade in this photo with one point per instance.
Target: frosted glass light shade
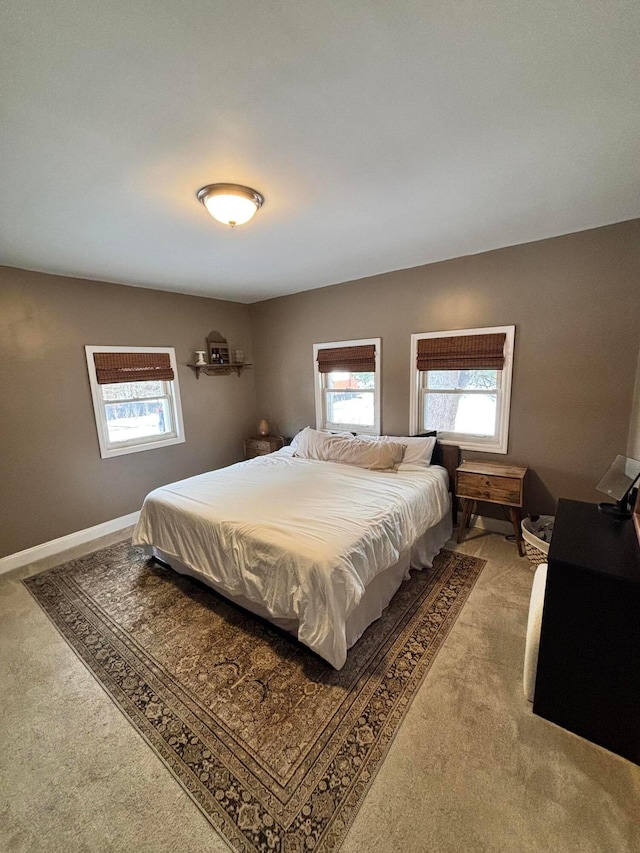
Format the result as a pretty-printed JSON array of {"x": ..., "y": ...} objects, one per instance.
[{"x": 230, "y": 204}]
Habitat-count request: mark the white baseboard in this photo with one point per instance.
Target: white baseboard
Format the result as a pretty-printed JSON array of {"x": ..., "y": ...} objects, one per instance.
[
  {"x": 493, "y": 525},
  {"x": 65, "y": 543}
]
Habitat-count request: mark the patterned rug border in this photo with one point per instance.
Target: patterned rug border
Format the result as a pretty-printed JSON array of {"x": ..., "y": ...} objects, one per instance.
[{"x": 333, "y": 833}]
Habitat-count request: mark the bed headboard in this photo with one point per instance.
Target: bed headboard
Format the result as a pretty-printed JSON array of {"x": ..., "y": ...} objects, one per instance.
[{"x": 447, "y": 455}]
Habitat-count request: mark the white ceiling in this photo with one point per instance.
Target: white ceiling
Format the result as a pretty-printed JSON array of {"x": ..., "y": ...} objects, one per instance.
[{"x": 383, "y": 135}]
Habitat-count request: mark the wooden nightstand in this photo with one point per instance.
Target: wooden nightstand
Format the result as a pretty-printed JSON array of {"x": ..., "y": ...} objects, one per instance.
[
  {"x": 493, "y": 482},
  {"x": 261, "y": 445}
]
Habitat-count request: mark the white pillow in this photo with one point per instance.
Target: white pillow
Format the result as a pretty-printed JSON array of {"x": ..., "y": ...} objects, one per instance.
[
  {"x": 374, "y": 455},
  {"x": 294, "y": 440},
  {"x": 418, "y": 452},
  {"x": 419, "y": 449}
]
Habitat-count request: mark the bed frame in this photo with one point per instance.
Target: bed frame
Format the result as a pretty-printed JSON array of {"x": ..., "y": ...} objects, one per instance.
[{"x": 448, "y": 455}]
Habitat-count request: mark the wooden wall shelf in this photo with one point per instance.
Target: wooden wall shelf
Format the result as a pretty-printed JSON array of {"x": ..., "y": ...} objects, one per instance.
[{"x": 218, "y": 369}]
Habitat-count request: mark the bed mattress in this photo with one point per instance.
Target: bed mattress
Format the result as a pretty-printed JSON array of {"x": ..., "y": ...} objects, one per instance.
[{"x": 301, "y": 538}]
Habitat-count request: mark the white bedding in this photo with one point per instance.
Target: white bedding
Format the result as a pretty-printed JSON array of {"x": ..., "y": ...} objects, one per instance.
[{"x": 300, "y": 537}]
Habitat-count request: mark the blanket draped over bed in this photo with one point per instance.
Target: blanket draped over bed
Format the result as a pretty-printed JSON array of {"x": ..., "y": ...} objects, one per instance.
[{"x": 300, "y": 537}]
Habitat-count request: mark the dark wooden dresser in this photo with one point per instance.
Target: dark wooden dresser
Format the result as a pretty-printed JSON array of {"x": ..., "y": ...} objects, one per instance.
[{"x": 588, "y": 676}]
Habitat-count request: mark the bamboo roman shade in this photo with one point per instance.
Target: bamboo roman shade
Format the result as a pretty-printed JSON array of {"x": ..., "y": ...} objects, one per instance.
[
  {"x": 132, "y": 366},
  {"x": 359, "y": 359},
  {"x": 462, "y": 352}
]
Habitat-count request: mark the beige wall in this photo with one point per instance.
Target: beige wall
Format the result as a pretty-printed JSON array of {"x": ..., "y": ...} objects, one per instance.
[
  {"x": 575, "y": 302},
  {"x": 52, "y": 479}
]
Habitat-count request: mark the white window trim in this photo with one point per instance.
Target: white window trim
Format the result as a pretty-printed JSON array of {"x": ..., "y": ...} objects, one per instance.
[
  {"x": 107, "y": 452},
  {"x": 500, "y": 443},
  {"x": 377, "y": 394}
]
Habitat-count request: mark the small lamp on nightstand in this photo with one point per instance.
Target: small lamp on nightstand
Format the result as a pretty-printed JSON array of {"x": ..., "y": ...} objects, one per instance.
[{"x": 263, "y": 427}]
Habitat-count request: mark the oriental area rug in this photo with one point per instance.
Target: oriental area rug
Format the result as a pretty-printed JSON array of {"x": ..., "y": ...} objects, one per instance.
[{"x": 276, "y": 748}]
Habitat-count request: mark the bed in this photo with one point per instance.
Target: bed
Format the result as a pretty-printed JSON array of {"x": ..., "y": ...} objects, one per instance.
[{"x": 316, "y": 547}]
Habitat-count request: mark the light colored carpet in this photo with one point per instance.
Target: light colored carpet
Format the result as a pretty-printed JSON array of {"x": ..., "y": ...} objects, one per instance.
[
  {"x": 471, "y": 768},
  {"x": 275, "y": 746}
]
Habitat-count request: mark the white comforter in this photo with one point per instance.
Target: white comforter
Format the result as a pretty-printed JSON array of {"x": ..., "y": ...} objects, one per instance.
[{"x": 301, "y": 537}]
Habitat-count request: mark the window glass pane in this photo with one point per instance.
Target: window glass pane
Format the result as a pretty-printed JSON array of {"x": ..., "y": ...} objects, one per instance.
[
  {"x": 137, "y": 420},
  {"x": 349, "y": 407},
  {"x": 340, "y": 379},
  {"x": 474, "y": 414},
  {"x": 459, "y": 380},
  {"x": 131, "y": 390}
]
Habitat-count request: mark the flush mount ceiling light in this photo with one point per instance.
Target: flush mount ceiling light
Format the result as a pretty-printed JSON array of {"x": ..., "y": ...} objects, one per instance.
[{"x": 231, "y": 204}]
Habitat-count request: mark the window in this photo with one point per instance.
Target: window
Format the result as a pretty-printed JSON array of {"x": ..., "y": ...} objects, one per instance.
[
  {"x": 347, "y": 375},
  {"x": 461, "y": 386},
  {"x": 136, "y": 399}
]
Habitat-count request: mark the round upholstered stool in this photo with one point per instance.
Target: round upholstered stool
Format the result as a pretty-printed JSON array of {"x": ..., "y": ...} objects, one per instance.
[{"x": 534, "y": 622}]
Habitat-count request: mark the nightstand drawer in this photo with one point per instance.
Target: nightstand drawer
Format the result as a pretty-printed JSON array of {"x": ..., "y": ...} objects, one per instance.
[
  {"x": 255, "y": 445},
  {"x": 485, "y": 487}
]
